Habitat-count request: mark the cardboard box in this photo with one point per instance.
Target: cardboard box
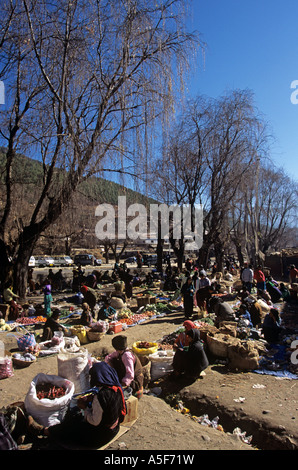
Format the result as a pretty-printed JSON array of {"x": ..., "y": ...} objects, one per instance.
[{"x": 132, "y": 411}]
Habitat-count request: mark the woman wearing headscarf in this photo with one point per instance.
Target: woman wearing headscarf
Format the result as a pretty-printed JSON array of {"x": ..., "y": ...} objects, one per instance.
[
  {"x": 183, "y": 339},
  {"x": 98, "y": 415},
  {"x": 90, "y": 297},
  {"x": 193, "y": 360},
  {"x": 271, "y": 327}
]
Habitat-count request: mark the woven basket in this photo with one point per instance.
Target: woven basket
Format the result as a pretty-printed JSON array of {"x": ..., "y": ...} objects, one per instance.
[
  {"x": 153, "y": 347},
  {"x": 21, "y": 364},
  {"x": 228, "y": 330},
  {"x": 94, "y": 335},
  {"x": 243, "y": 356},
  {"x": 205, "y": 330},
  {"x": 219, "y": 344}
]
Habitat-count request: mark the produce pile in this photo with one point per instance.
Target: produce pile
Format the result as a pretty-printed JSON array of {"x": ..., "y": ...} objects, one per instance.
[
  {"x": 31, "y": 320},
  {"x": 49, "y": 391},
  {"x": 145, "y": 313},
  {"x": 134, "y": 319},
  {"x": 144, "y": 345},
  {"x": 4, "y": 326}
]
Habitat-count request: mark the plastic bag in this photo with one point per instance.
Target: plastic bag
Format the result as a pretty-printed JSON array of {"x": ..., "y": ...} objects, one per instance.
[
  {"x": 26, "y": 341},
  {"x": 45, "y": 411},
  {"x": 75, "y": 367},
  {"x": 80, "y": 332},
  {"x": 6, "y": 367},
  {"x": 161, "y": 364}
]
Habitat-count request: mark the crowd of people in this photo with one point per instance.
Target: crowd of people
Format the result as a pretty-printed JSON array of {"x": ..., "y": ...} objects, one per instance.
[{"x": 98, "y": 413}]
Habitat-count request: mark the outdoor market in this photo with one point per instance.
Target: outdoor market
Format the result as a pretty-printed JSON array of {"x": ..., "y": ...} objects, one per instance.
[{"x": 81, "y": 332}]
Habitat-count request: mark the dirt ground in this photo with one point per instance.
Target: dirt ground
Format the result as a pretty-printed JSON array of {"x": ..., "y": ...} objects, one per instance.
[{"x": 262, "y": 408}]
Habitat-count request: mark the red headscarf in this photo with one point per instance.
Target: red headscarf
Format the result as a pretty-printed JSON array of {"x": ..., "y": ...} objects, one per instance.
[
  {"x": 189, "y": 325},
  {"x": 84, "y": 289}
]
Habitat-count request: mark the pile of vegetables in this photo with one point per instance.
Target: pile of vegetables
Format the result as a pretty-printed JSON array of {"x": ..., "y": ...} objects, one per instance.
[
  {"x": 33, "y": 349},
  {"x": 124, "y": 313},
  {"x": 31, "y": 320},
  {"x": 134, "y": 318},
  {"x": 144, "y": 344},
  {"x": 4, "y": 326},
  {"x": 49, "y": 391}
]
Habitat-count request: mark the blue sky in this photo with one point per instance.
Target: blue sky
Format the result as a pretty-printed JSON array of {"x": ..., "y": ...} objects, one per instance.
[{"x": 253, "y": 45}]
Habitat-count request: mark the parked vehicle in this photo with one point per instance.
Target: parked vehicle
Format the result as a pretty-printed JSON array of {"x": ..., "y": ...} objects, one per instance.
[
  {"x": 58, "y": 261},
  {"x": 131, "y": 259},
  {"x": 68, "y": 260},
  {"x": 97, "y": 262},
  {"x": 50, "y": 261},
  {"x": 149, "y": 260},
  {"x": 40, "y": 262},
  {"x": 63, "y": 261},
  {"x": 31, "y": 262},
  {"x": 84, "y": 260}
]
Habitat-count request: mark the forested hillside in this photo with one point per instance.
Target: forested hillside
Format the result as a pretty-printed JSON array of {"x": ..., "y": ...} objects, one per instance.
[{"x": 77, "y": 225}]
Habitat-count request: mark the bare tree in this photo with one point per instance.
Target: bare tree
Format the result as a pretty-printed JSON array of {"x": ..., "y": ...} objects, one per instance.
[
  {"x": 208, "y": 156},
  {"x": 101, "y": 63}
]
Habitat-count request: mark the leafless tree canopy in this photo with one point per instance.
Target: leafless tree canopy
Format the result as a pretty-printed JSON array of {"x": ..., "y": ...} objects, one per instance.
[
  {"x": 82, "y": 77},
  {"x": 217, "y": 156}
]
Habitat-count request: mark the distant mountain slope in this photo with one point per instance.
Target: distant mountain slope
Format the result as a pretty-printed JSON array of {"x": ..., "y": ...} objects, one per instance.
[{"x": 27, "y": 171}]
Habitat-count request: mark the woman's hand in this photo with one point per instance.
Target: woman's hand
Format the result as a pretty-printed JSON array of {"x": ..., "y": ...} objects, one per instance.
[{"x": 82, "y": 403}]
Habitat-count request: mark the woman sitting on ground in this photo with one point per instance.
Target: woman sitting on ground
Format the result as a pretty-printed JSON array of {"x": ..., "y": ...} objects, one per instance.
[
  {"x": 183, "y": 339},
  {"x": 271, "y": 326},
  {"x": 191, "y": 361},
  {"x": 51, "y": 326},
  {"x": 96, "y": 419}
]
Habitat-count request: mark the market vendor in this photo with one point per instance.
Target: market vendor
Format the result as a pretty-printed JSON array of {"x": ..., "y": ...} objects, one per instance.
[
  {"x": 86, "y": 317},
  {"x": 90, "y": 297},
  {"x": 127, "y": 365},
  {"x": 273, "y": 290},
  {"x": 286, "y": 295},
  {"x": 183, "y": 339},
  {"x": 271, "y": 327},
  {"x": 96, "y": 419},
  {"x": 106, "y": 312},
  {"x": 223, "y": 310},
  {"x": 255, "y": 310},
  {"x": 9, "y": 298},
  {"x": 191, "y": 361},
  {"x": 244, "y": 316},
  {"x": 51, "y": 326}
]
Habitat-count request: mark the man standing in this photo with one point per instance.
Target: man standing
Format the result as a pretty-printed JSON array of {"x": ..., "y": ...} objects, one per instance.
[{"x": 247, "y": 277}]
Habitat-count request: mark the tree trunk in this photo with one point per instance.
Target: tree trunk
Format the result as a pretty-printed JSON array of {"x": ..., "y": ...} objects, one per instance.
[
  {"x": 204, "y": 254},
  {"x": 239, "y": 253},
  {"x": 219, "y": 254},
  {"x": 159, "y": 252},
  {"x": 20, "y": 274}
]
